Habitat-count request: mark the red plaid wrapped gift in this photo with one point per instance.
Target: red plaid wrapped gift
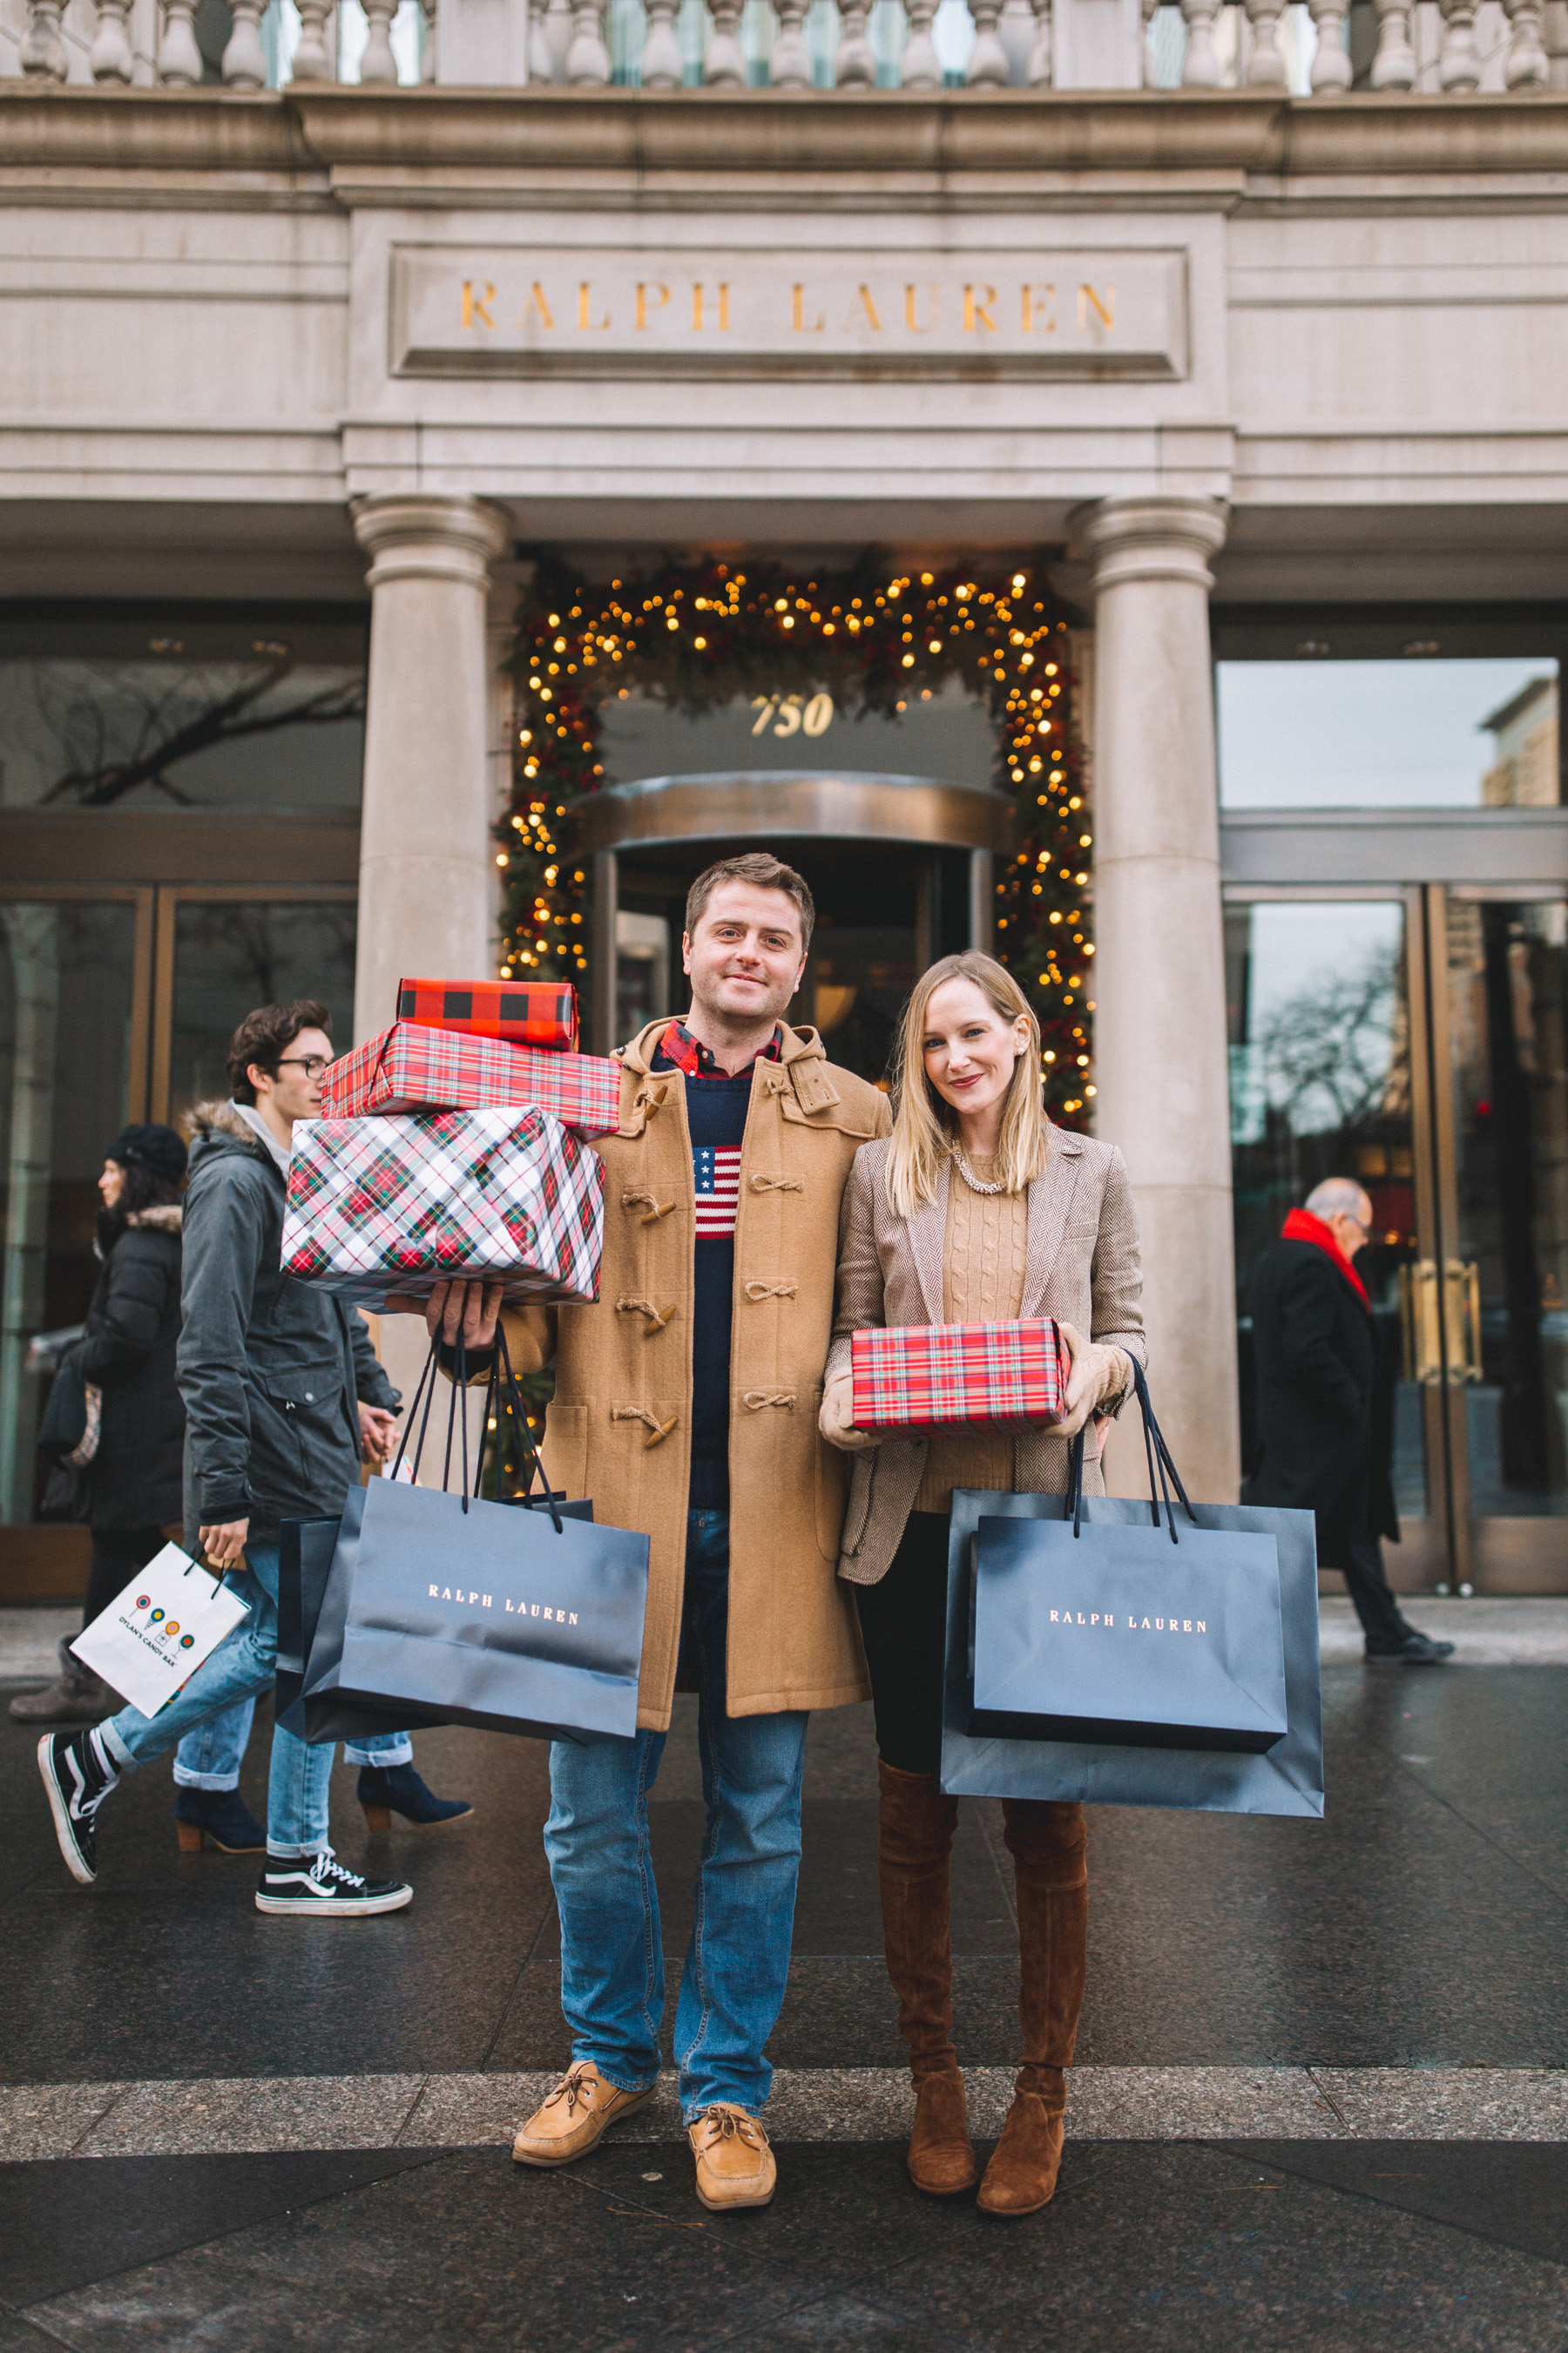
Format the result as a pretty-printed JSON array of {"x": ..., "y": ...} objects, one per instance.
[
  {"x": 523, "y": 1012},
  {"x": 410, "y": 1068},
  {"x": 914, "y": 1377},
  {"x": 378, "y": 1207}
]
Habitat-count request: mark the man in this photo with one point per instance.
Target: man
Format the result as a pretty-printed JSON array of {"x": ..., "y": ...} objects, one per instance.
[
  {"x": 1312, "y": 1343},
  {"x": 686, "y": 1405},
  {"x": 283, "y": 1396}
]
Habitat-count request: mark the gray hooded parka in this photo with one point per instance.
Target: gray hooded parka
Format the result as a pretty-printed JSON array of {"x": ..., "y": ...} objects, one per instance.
[{"x": 269, "y": 1369}]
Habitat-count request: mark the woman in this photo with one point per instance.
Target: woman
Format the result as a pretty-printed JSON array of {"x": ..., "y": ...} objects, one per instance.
[
  {"x": 974, "y": 1210},
  {"x": 134, "y": 1479}
]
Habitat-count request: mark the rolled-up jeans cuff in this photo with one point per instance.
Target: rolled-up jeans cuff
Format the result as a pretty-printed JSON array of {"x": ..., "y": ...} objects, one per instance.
[
  {"x": 185, "y": 1780},
  {"x": 116, "y": 1746},
  {"x": 277, "y": 1854},
  {"x": 382, "y": 1752}
]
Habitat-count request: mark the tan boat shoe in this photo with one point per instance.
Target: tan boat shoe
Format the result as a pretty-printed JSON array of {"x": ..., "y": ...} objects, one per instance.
[
  {"x": 734, "y": 2164},
  {"x": 573, "y": 2117}
]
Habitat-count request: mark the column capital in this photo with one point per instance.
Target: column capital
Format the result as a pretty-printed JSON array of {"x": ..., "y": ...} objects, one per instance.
[
  {"x": 1153, "y": 538},
  {"x": 415, "y": 536}
]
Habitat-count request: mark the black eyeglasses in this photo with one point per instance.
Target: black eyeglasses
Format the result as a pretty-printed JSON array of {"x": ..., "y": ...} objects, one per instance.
[{"x": 311, "y": 1064}]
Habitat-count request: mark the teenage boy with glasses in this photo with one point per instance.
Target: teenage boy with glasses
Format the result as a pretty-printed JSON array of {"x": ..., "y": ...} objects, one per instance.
[{"x": 283, "y": 1398}]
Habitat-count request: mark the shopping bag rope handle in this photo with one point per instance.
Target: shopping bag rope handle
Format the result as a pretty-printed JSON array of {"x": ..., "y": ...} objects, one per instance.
[
  {"x": 501, "y": 1367},
  {"x": 1163, "y": 1472}
]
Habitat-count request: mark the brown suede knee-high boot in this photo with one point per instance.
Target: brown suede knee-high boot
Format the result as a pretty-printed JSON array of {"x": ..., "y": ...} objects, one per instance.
[
  {"x": 1046, "y": 1842},
  {"x": 913, "y": 1847}
]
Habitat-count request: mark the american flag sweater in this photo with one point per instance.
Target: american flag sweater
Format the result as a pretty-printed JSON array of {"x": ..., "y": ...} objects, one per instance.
[{"x": 716, "y": 1114}]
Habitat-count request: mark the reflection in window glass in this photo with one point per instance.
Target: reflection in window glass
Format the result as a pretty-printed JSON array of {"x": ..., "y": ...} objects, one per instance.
[
  {"x": 229, "y": 958},
  {"x": 1418, "y": 733},
  {"x": 138, "y": 713},
  {"x": 1320, "y": 1067},
  {"x": 1507, "y": 1006},
  {"x": 64, "y": 1061}
]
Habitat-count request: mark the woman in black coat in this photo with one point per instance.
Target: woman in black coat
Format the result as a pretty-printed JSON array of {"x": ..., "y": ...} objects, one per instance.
[{"x": 134, "y": 1479}]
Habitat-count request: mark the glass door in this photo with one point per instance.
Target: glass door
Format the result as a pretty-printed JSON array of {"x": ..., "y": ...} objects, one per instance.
[
  {"x": 1327, "y": 1080},
  {"x": 1418, "y": 1043},
  {"x": 1495, "y": 1289}
]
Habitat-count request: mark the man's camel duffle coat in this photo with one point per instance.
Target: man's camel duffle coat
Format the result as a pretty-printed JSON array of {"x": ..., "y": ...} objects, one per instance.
[{"x": 619, "y": 1427}]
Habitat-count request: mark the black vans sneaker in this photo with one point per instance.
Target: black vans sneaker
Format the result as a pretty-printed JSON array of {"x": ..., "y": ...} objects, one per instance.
[
  {"x": 320, "y": 1884},
  {"x": 77, "y": 1784}
]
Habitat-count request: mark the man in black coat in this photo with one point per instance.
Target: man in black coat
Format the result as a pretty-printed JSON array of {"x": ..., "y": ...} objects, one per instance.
[{"x": 1315, "y": 1358}]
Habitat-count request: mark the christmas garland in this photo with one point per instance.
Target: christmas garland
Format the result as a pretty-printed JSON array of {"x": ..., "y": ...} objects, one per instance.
[{"x": 698, "y": 634}]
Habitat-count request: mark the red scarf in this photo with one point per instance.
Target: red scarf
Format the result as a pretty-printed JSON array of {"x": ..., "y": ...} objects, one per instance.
[{"x": 1302, "y": 1225}]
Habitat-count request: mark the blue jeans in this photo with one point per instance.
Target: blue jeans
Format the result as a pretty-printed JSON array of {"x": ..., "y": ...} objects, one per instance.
[
  {"x": 210, "y": 1757},
  {"x": 243, "y": 1665},
  {"x": 737, "y": 1964}
]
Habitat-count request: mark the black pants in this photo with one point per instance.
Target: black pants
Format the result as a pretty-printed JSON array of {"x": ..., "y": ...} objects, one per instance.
[
  {"x": 903, "y": 1622},
  {"x": 117, "y": 1555},
  {"x": 1362, "y": 1562}
]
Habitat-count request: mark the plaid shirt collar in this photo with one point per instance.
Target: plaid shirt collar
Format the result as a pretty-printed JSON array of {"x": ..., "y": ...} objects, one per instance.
[{"x": 679, "y": 1048}]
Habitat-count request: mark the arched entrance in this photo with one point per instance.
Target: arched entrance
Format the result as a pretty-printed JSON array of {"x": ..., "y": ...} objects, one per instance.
[{"x": 900, "y": 867}]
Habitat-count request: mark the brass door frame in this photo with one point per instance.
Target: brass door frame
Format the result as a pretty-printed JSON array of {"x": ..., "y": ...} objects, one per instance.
[
  {"x": 1437, "y": 1217},
  {"x": 164, "y": 921}
]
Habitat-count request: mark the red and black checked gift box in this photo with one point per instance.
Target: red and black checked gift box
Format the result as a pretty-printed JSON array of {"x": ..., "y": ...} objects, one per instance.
[
  {"x": 913, "y": 1379},
  {"x": 410, "y": 1068},
  {"x": 542, "y": 1013}
]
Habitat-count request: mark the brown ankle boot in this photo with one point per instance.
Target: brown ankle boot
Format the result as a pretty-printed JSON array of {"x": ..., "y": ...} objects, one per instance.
[
  {"x": 1047, "y": 1843},
  {"x": 913, "y": 1847}
]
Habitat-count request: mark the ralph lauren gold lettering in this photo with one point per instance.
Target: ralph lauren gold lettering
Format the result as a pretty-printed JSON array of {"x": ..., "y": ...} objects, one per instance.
[
  {"x": 585, "y": 304},
  {"x": 911, "y": 320},
  {"x": 478, "y": 294},
  {"x": 646, "y": 288},
  {"x": 1039, "y": 310},
  {"x": 536, "y": 301},
  {"x": 723, "y": 308},
  {"x": 864, "y": 304},
  {"x": 1088, "y": 299},
  {"x": 977, "y": 313},
  {"x": 798, "y": 320}
]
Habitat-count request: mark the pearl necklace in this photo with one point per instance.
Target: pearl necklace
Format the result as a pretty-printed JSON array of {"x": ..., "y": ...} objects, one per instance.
[{"x": 970, "y": 1178}]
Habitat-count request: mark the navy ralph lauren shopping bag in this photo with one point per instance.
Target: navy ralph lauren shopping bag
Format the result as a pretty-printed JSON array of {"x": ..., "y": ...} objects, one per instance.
[
  {"x": 445, "y": 1608},
  {"x": 1098, "y": 1651}
]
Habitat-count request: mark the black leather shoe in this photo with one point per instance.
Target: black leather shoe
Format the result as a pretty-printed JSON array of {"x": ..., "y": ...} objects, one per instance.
[{"x": 1416, "y": 1650}]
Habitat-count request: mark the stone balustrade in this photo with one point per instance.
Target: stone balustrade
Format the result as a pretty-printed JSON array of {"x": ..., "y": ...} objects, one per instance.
[{"x": 1433, "y": 47}]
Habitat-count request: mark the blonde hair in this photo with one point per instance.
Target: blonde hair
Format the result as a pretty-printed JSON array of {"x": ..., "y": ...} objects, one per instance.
[{"x": 925, "y": 1129}]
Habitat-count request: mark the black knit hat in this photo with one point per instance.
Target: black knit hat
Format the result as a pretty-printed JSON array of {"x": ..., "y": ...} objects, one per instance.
[{"x": 157, "y": 1149}]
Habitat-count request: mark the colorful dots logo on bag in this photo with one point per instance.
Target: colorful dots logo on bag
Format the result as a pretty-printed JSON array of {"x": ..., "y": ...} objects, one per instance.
[
  {"x": 157, "y": 1616},
  {"x": 187, "y": 1640},
  {"x": 172, "y": 1628},
  {"x": 143, "y": 1600}
]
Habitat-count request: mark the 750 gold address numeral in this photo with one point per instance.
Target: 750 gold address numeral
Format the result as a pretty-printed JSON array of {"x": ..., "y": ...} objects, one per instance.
[{"x": 790, "y": 714}]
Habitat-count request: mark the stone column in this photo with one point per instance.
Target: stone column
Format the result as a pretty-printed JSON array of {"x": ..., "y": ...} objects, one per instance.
[
  {"x": 1160, "y": 1022},
  {"x": 426, "y": 866},
  {"x": 427, "y": 855}
]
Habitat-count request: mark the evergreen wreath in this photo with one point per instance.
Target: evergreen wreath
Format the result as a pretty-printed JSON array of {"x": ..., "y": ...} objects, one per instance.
[{"x": 697, "y": 635}]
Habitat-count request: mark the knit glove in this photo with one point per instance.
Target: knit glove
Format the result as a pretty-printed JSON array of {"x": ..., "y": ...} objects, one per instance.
[
  {"x": 837, "y": 1405},
  {"x": 1098, "y": 1378}
]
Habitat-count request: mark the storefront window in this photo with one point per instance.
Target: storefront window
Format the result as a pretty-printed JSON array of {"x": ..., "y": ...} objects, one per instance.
[
  {"x": 139, "y": 708},
  {"x": 231, "y": 955},
  {"x": 1412, "y": 732},
  {"x": 66, "y": 975}
]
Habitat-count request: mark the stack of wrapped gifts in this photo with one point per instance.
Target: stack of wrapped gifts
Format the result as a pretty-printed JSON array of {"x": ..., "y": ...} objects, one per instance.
[{"x": 452, "y": 1146}]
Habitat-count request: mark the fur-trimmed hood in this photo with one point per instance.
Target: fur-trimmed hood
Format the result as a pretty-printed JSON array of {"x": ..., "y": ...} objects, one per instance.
[
  {"x": 220, "y": 1118},
  {"x": 163, "y": 1218}
]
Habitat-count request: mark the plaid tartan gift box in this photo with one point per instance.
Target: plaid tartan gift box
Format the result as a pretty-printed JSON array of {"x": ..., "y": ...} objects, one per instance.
[
  {"x": 540, "y": 1013},
  {"x": 378, "y": 1207},
  {"x": 410, "y": 1068},
  {"x": 915, "y": 1377}
]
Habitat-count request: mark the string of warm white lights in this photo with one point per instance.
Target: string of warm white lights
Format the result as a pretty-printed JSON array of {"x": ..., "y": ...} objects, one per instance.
[{"x": 699, "y": 635}]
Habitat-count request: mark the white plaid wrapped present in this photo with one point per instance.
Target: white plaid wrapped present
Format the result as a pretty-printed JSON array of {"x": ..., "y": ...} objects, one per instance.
[{"x": 379, "y": 1207}]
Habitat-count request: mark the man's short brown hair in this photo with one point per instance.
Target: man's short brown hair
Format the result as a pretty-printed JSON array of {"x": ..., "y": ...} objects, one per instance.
[
  {"x": 265, "y": 1035},
  {"x": 767, "y": 873}
]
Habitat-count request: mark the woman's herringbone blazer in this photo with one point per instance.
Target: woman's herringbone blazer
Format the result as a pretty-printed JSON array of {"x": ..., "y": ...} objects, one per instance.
[{"x": 1082, "y": 1266}]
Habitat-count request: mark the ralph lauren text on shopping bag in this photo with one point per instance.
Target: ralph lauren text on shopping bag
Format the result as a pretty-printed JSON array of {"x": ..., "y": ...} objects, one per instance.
[{"x": 1128, "y": 1639}]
